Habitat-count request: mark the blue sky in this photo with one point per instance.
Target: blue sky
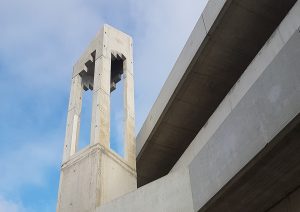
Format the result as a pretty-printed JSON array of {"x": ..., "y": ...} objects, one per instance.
[{"x": 39, "y": 43}]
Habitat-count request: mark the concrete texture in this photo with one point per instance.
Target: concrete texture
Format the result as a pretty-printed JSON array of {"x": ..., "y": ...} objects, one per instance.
[
  {"x": 92, "y": 177},
  {"x": 225, "y": 40},
  {"x": 263, "y": 59},
  {"x": 247, "y": 156},
  {"x": 271, "y": 175},
  {"x": 96, "y": 174},
  {"x": 118, "y": 177},
  {"x": 223, "y": 134},
  {"x": 73, "y": 118},
  {"x": 270, "y": 178},
  {"x": 170, "y": 193},
  {"x": 79, "y": 189},
  {"x": 272, "y": 101},
  {"x": 262, "y": 102}
]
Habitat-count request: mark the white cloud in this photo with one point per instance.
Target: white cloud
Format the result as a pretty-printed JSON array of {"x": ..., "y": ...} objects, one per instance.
[
  {"x": 10, "y": 206},
  {"x": 40, "y": 41},
  {"x": 28, "y": 162},
  {"x": 46, "y": 37},
  {"x": 162, "y": 30}
]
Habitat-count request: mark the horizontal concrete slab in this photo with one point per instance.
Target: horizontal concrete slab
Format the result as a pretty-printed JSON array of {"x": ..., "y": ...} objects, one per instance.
[
  {"x": 266, "y": 55},
  {"x": 267, "y": 107},
  {"x": 225, "y": 40}
]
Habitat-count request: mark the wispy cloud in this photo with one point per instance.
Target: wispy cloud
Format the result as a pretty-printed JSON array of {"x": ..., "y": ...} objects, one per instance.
[
  {"x": 11, "y": 206},
  {"x": 40, "y": 39},
  {"x": 162, "y": 28},
  {"x": 39, "y": 43},
  {"x": 28, "y": 163}
]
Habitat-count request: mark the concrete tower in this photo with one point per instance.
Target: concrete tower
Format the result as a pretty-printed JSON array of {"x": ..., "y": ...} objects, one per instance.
[{"x": 95, "y": 174}]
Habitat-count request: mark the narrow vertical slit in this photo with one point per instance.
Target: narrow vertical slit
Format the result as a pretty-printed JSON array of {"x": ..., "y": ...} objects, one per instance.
[
  {"x": 87, "y": 96},
  {"x": 117, "y": 105},
  {"x": 85, "y": 120}
]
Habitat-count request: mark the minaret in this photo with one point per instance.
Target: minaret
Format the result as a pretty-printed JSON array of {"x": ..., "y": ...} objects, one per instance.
[{"x": 95, "y": 174}]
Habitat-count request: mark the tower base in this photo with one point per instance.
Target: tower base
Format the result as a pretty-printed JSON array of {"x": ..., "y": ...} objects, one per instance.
[{"x": 82, "y": 186}]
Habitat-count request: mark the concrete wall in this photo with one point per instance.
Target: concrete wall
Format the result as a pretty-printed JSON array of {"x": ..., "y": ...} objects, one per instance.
[
  {"x": 264, "y": 100},
  {"x": 117, "y": 177},
  {"x": 279, "y": 38},
  {"x": 79, "y": 182},
  {"x": 92, "y": 177},
  {"x": 289, "y": 204},
  {"x": 170, "y": 193},
  {"x": 226, "y": 38}
]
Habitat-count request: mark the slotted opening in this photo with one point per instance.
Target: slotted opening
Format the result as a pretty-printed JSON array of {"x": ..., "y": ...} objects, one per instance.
[
  {"x": 85, "y": 120},
  {"x": 86, "y": 109},
  {"x": 117, "y": 104}
]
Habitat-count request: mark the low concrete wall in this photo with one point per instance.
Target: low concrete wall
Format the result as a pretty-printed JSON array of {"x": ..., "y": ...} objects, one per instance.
[
  {"x": 117, "y": 178},
  {"x": 170, "y": 193}
]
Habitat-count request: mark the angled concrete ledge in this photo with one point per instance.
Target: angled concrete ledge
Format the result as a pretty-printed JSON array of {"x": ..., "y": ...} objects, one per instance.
[
  {"x": 259, "y": 106},
  {"x": 265, "y": 56},
  {"x": 225, "y": 40},
  {"x": 170, "y": 193}
]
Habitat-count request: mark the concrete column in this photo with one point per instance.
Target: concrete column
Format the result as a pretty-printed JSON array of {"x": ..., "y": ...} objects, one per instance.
[
  {"x": 100, "y": 128},
  {"x": 129, "y": 124},
  {"x": 73, "y": 118}
]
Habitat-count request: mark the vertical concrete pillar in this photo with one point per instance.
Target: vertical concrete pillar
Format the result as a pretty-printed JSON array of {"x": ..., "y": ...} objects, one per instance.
[
  {"x": 129, "y": 124},
  {"x": 100, "y": 128},
  {"x": 73, "y": 118}
]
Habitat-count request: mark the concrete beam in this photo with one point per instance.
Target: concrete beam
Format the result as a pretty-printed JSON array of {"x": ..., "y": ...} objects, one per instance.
[
  {"x": 266, "y": 55},
  {"x": 263, "y": 102},
  {"x": 225, "y": 40}
]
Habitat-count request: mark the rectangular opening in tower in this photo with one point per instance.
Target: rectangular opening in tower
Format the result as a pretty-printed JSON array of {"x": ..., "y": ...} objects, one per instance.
[
  {"x": 85, "y": 120},
  {"x": 87, "y": 77},
  {"x": 117, "y": 104}
]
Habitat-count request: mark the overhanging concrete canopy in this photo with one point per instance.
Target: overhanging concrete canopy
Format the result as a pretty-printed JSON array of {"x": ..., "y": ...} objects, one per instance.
[{"x": 226, "y": 38}]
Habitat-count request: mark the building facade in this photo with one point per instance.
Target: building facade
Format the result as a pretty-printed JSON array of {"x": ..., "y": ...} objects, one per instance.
[{"x": 223, "y": 134}]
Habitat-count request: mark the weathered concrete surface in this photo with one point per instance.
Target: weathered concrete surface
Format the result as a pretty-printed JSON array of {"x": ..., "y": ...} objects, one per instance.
[
  {"x": 117, "y": 177},
  {"x": 79, "y": 190},
  {"x": 170, "y": 193},
  {"x": 266, "y": 108},
  {"x": 92, "y": 177},
  {"x": 266, "y": 55},
  {"x": 96, "y": 174},
  {"x": 116, "y": 43},
  {"x": 250, "y": 160},
  {"x": 93, "y": 71},
  {"x": 267, "y": 179},
  {"x": 73, "y": 118},
  {"x": 226, "y": 38}
]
